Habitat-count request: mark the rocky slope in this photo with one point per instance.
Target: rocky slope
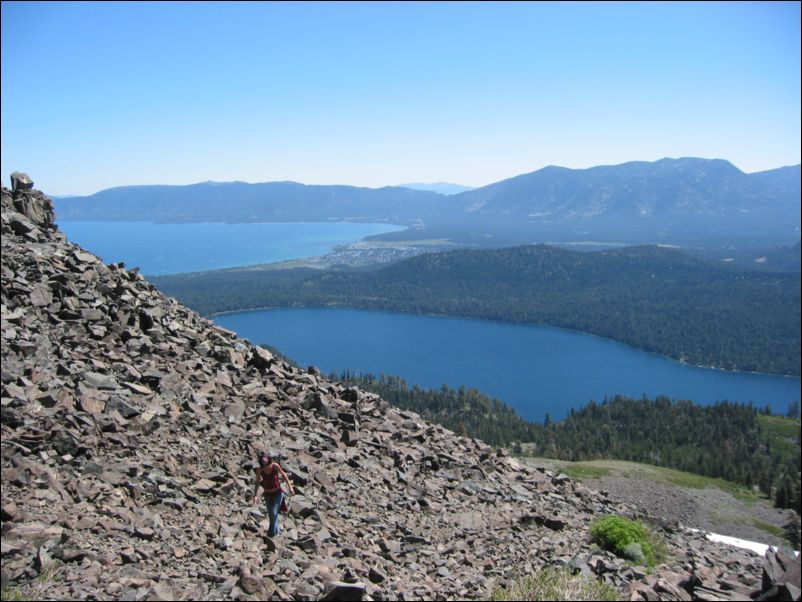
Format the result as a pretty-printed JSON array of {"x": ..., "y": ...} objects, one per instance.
[{"x": 129, "y": 427}]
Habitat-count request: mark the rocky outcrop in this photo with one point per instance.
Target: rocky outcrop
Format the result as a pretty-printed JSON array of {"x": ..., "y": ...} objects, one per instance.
[{"x": 129, "y": 427}]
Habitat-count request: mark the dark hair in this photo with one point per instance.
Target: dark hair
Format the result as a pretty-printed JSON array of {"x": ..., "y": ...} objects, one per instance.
[{"x": 264, "y": 458}]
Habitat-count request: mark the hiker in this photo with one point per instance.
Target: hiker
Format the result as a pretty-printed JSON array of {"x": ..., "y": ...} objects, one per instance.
[{"x": 267, "y": 475}]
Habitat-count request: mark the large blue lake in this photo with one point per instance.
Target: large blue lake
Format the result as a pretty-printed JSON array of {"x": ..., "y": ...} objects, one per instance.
[
  {"x": 534, "y": 369},
  {"x": 159, "y": 249}
]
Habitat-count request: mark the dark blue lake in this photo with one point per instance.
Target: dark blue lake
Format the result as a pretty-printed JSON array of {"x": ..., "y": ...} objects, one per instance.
[
  {"x": 534, "y": 369},
  {"x": 159, "y": 249}
]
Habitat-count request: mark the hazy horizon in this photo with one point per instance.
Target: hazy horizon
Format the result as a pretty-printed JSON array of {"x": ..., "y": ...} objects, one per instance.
[
  {"x": 407, "y": 184},
  {"x": 100, "y": 95}
]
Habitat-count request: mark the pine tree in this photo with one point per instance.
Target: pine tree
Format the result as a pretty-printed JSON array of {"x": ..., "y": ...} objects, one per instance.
[
  {"x": 792, "y": 531},
  {"x": 784, "y": 494}
]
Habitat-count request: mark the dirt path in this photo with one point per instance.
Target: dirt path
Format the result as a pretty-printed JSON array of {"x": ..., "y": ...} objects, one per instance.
[{"x": 708, "y": 509}]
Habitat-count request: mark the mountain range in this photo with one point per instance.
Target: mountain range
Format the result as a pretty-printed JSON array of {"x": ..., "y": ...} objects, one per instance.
[
  {"x": 639, "y": 194},
  {"x": 687, "y": 201}
]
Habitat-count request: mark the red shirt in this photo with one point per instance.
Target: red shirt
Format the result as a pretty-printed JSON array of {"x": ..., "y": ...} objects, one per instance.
[{"x": 269, "y": 478}]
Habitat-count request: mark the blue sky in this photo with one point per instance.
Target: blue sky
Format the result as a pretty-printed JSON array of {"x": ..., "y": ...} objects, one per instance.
[{"x": 97, "y": 95}]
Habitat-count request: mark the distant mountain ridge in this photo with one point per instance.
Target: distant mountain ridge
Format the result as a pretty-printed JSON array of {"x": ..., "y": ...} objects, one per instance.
[
  {"x": 782, "y": 178},
  {"x": 234, "y": 202},
  {"x": 630, "y": 187},
  {"x": 682, "y": 201},
  {"x": 439, "y": 187},
  {"x": 665, "y": 198}
]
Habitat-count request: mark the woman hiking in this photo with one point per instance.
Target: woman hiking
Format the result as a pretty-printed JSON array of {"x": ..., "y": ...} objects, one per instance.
[{"x": 267, "y": 475}]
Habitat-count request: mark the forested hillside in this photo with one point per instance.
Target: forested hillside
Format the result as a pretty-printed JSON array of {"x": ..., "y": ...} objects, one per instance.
[
  {"x": 732, "y": 441},
  {"x": 653, "y": 298}
]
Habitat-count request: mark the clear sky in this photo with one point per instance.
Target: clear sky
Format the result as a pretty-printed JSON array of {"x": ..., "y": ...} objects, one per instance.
[{"x": 96, "y": 95}]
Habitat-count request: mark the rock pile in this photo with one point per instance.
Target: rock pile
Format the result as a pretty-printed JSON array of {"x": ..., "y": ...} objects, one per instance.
[{"x": 129, "y": 427}]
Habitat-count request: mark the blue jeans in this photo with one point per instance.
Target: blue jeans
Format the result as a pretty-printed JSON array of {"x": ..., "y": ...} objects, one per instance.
[{"x": 273, "y": 501}]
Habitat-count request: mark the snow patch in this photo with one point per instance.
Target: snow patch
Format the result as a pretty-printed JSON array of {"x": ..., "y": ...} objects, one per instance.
[{"x": 758, "y": 548}]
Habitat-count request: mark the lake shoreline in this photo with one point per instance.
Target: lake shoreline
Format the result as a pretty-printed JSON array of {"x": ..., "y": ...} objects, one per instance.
[
  {"x": 537, "y": 325},
  {"x": 534, "y": 369},
  {"x": 213, "y": 246}
]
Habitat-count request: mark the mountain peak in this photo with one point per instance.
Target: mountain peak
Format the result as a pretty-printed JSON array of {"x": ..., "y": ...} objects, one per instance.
[{"x": 681, "y": 163}]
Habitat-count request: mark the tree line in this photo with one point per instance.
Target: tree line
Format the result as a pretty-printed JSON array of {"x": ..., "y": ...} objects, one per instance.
[{"x": 726, "y": 440}]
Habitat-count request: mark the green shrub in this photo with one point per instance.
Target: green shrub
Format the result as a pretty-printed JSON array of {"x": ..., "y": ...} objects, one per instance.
[
  {"x": 557, "y": 584},
  {"x": 628, "y": 539}
]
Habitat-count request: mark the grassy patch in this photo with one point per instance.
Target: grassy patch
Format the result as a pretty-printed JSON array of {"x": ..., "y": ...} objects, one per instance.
[
  {"x": 557, "y": 584},
  {"x": 596, "y": 469},
  {"x": 750, "y": 521},
  {"x": 49, "y": 572},
  {"x": 782, "y": 434},
  {"x": 779, "y": 426},
  {"x": 12, "y": 594},
  {"x": 584, "y": 470},
  {"x": 769, "y": 528},
  {"x": 692, "y": 481}
]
